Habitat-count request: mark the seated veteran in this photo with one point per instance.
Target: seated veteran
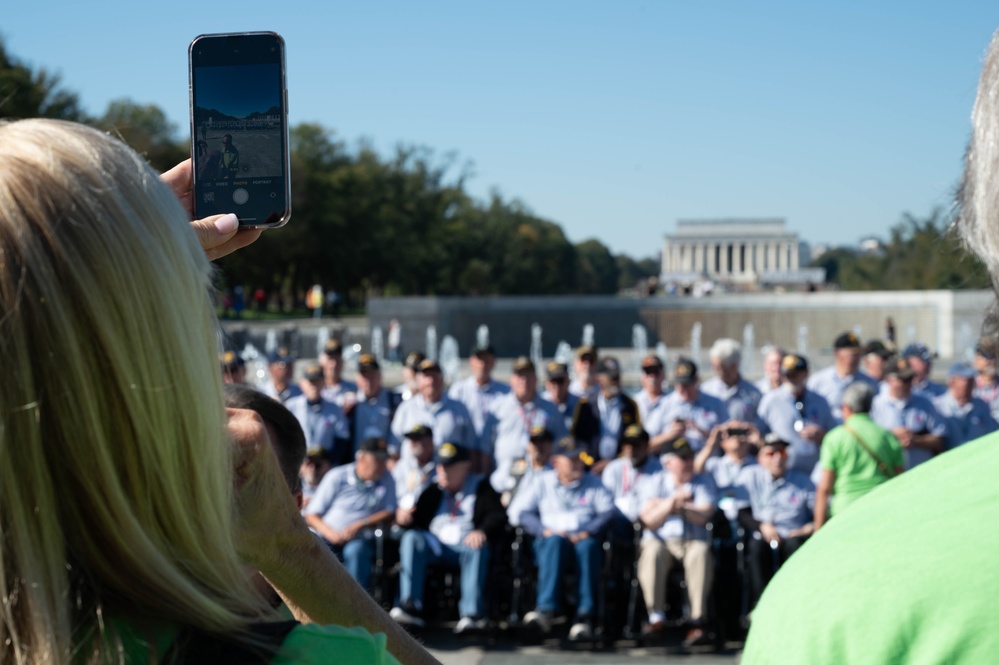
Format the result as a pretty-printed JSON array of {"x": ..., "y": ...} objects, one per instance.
[
  {"x": 454, "y": 521},
  {"x": 624, "y": 477},
  {"x": 677, "y": 506},
  {"x": 350, "y": 500},
  {"x": 776, "y": 509},
  {"x": 566, "y": 510}
]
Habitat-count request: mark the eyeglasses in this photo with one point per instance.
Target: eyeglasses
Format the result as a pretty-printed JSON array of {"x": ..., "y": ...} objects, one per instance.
[{"x": 651, "y": 370}]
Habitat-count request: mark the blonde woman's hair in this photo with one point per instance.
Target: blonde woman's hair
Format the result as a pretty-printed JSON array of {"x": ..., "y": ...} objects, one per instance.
[{"x": 115, "y": 481}]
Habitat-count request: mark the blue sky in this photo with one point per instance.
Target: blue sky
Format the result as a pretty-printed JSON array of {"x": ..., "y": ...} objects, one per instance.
[{"x": 613, "y": 119}]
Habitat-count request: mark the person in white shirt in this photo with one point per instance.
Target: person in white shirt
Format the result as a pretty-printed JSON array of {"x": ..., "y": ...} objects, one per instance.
[
  {"x": 584, "y": 382},
  {"x": 414, "y": 473},
  {"x": 968, "y": 417},
  {"x": 509, "y": 422},
  {"x": 771, "y": 379},
  {"x": 281, "y": 367},
  {"x": 625, "y": 477},
  {"x": 677, "y": 507},
  {"x": 335, "y": 388},
  {"x": 478, "y": 392},
  {"x": 324, "y": 422},
  {"x": 566, "y": 510},
  {"x": 741, "y": 397},
  {"x": 652, "y": 392}
]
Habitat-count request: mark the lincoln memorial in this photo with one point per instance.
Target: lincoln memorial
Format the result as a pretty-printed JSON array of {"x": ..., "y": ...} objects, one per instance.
[{"x": 730, "y": 250}]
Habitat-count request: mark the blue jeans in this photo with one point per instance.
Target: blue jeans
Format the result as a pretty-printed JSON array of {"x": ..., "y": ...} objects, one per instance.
[
  {"x": 356, "y": 556},
  {"x": 415, "y": 553},
  {"x": 555, "y": 555}
]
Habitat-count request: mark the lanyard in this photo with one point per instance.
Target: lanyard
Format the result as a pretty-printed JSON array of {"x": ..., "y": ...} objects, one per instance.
[
  {"x": 527, "y": 415},
  {"x": 626, "y": 480},
  {"x": 454, "y": 503}
]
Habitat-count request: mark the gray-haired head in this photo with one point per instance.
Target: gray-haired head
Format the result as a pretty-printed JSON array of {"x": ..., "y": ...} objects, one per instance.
[
  {"x": 858, "y": 397},
  {"x": 978, "y": 198},
  {"x": 726, "y": 351}
]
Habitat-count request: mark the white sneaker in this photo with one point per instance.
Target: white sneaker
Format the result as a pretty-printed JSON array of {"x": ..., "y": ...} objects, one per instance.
[
  {"x": 538, "y": 619},
  {"x": 468, "y": 624},
  {"x": 581, "y": 632},
  {"x": 405, "y": 618}
]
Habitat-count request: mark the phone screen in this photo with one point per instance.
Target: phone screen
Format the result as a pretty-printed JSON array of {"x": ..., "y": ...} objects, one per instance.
[{"x": 239, "y": 128}]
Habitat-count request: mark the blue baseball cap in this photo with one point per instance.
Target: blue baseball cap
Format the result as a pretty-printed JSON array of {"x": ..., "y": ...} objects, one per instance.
[
  {"x": 917, "y": 350},
  {"x": 962, "y": 369},
  {"x": 280, "y": 355}
]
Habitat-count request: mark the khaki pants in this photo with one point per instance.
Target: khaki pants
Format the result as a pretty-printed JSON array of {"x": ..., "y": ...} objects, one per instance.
[{"x": 655, "y": 562}]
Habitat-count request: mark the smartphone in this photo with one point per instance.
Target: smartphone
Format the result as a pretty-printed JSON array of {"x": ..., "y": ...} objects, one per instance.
[{"x": 239, "y": 128}]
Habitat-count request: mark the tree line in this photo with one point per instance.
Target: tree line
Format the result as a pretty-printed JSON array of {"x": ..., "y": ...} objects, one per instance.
[
  {"x": 404, "y": 224},
  {"x": 918, "y": 254},
  {"x": 364, "y": 224}
]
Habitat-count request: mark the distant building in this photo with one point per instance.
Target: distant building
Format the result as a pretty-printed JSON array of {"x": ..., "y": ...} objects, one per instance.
[
  {"x": 871, "y": 245},
  {"x": 736, "y": 251}
]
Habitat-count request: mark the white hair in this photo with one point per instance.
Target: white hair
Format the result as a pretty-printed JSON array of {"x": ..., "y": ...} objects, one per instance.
[
  {"x": 727, "y": 351},
  {"x": 979, "y": 194},
  {"x": 858, "y": 397}
]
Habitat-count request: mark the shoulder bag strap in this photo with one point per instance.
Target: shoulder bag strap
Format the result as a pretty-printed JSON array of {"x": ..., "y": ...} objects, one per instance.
[{"x": 881, "y": 465}]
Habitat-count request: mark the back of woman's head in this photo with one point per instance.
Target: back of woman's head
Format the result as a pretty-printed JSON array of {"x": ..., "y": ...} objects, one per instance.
[{"x": 114, "y": 491}]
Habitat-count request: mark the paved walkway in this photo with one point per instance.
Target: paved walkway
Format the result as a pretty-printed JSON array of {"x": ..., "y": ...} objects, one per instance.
[{"x": 452, "y": 650}]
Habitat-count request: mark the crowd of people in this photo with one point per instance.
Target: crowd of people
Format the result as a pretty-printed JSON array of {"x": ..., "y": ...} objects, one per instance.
[{"x": 576, "y": 461}]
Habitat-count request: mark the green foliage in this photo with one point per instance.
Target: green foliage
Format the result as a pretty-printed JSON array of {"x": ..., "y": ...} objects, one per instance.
[
  {"x": 146, "y": 128},
  {"x": 920, "y": 254},
  {"x": 635, "y": 274},
  {"x": 33, "y": 94}
]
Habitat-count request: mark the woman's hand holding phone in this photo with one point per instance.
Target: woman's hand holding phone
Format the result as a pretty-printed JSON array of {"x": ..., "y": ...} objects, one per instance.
[{"x": 219, "y": 234}]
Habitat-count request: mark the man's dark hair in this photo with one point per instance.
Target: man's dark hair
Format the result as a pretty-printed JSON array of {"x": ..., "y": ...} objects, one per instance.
[{"x": 290, "y": 444}]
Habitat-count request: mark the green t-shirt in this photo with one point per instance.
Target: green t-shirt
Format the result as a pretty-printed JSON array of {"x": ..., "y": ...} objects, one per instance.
[
  {"x": 856, "y": 471},
  {"x": 306, "y": 644},
  {"x": 907, "y": 575},
  {"x": 311, "y": 643}
]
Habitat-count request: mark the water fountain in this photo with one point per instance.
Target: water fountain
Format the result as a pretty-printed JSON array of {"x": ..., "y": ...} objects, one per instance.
[
  {"x": 588, "y": 338},
  {"x": 695, "y": 343},
  {"x": 537, "y": 355},
  {"x": 749, "y": 356},
  {"x": 257, "y": 374},
  {"x": 431, "y": 347},
  {"x": 450, "y": 359},
  {"x": 640, "y": 343},
  {"x": 322, "y": 336},
  {"x": 563, "y": 353},
  {"x": 271, "y": 344},
  {"x": 377, "y": 343},
  {"x": 803, "y": 340},
  {"x": 966, "y": 340},
  {"x": 662, "y": 352}
]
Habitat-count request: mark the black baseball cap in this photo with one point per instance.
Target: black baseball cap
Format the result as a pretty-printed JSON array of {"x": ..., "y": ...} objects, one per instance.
[
  {"x": 367, "y": 361},
  {"x": 847, "y": 340},
  {"x": 792, "y": 363},
  {"x": 451, "y": 453},
  {"x": 634, "y": 434},
  {"x": 419, "y": 431},
  {"x": 685, "y": 372},
  {"x": 376, "y": 446}
]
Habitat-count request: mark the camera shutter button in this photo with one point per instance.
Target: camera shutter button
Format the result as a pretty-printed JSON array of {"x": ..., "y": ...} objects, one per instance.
[{"x": 240, "y": 196}]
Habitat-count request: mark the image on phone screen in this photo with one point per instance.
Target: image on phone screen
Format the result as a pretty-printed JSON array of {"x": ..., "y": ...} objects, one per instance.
[{"x": 239, "y": 128}]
